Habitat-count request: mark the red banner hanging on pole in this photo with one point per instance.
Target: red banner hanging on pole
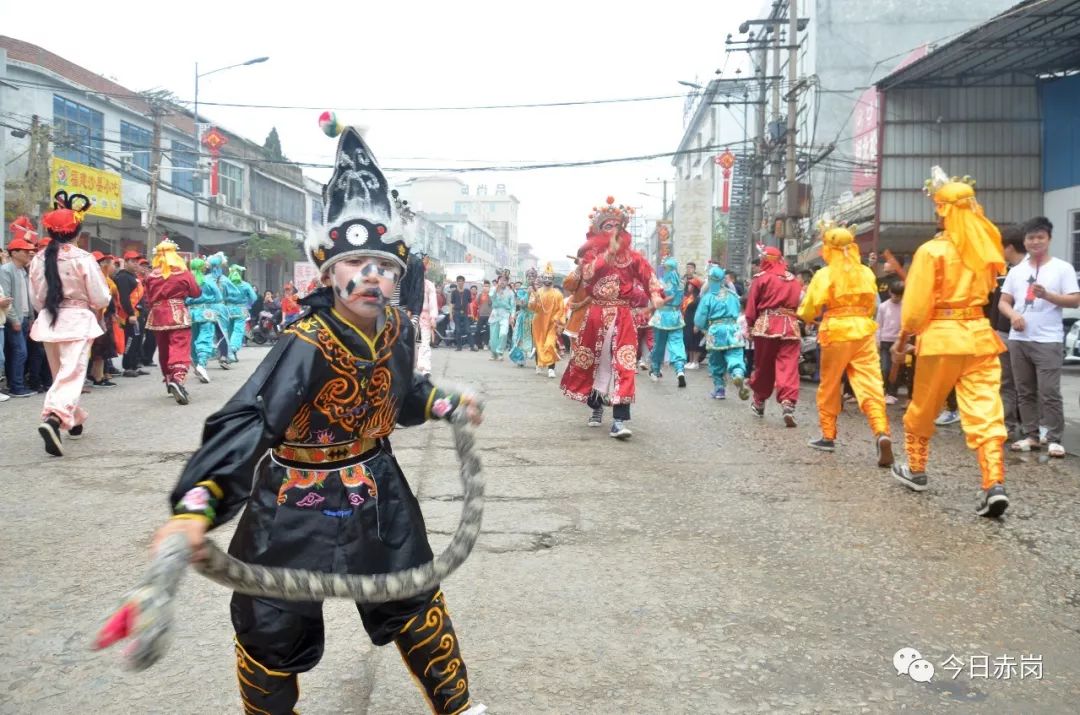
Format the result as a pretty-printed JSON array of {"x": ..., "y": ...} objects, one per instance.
[{"x": 214, "y": 141}]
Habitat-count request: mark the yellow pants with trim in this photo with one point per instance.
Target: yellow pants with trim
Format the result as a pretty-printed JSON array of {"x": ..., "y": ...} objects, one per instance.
[
  {"x": 860, "y": 360},
  {"x": 978, "y": 395}
]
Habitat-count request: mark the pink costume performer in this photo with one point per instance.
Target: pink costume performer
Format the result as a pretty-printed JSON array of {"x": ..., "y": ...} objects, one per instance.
[
  {"x": 68, "y": 290},
  {"x": 428, "y": 316}
]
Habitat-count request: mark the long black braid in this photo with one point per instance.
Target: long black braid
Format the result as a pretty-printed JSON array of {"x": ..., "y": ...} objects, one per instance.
[{"x": 54, "y": 296}]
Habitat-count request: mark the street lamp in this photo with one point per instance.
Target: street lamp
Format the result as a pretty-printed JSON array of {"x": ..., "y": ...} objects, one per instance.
[
  {"x": 198, "y": 141},
  {"x": 691, "y": 85}
]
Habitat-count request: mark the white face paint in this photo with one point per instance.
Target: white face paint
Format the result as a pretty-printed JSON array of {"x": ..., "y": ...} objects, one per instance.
[{"x": 365, "y": 283}]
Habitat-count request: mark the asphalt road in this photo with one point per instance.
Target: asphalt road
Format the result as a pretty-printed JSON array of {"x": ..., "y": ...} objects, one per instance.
[{"x": 711, "y": 564}]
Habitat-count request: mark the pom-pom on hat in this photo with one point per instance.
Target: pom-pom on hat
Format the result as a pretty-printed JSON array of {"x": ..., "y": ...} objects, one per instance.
[{"x": 362, "y": 216}]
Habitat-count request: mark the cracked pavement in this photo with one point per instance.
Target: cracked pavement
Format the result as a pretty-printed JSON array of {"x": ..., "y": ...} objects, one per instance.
[{"x": 712, "y": 563}]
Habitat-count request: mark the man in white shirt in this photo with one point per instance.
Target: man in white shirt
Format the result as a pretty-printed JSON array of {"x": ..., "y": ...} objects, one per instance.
[{"x": 1034, "y": 293}]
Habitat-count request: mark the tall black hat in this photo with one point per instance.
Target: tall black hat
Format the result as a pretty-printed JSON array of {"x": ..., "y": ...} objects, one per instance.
[{"x": 362, "y": 216}]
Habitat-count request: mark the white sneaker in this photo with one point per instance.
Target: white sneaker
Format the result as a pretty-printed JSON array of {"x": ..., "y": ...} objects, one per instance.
[
  {"x": 691, "y": 366},
  {"x": 551, "y": 372},
  {"x": 4, "y": 397},
  {"x": 1055, "y": 450},
  {"x": 890, "y": 399},
  {"x": 947, "y": 417},
  {"x": 478, "y": 709},
  {"x": 200, "y": 372}
]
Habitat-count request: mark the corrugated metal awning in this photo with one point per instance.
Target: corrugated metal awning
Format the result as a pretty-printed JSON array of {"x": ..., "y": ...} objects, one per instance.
[
  {"x": 207, "y": 236},
  {"x": 1031, "y": 39}
]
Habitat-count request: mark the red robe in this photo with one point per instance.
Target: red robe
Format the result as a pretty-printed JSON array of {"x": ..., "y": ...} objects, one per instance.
[
  {"x": 770, "y": 318},
  {"x": 611, "y": 287},
  {"x": 166, "y": 299}
]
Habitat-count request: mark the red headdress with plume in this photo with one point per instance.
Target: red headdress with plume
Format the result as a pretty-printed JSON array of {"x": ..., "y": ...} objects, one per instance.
[{"x": 64, "y": 220}]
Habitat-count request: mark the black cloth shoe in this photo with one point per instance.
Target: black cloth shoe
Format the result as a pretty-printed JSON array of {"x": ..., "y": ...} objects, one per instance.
[
  {"x": 993, "y": 502},
  {"x": 75, "y": 432},
  {"x": 103, "y": 383},
  {"x": 682, "y": 379},
  {"x": 131, "y": 373},
  {"x": 915, "y": 481},
  {"x": 140, "y": 371},
  {"x": 50, "y": 433},
  {"x": 825, "y": 445}
]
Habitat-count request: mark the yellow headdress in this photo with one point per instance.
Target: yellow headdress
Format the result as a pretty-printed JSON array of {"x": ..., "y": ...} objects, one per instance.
[
  {"x": 976, "y": 238},
  {"x": 841, "y": 252},
  {"x": 167, "y": 260},
  {"x": 549, "y": 270}
]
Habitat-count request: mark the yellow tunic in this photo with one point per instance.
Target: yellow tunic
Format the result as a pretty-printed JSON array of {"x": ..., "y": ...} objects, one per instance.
[
  {"x": 943, "y": 302},
  {"x": 846, "y": 337},
  {"x": 549, "y": 306},
  {"x": 847, "y": 317}
]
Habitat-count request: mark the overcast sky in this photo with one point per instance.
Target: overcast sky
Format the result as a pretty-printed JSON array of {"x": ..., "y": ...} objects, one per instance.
[{"x": 425, "y": 54}]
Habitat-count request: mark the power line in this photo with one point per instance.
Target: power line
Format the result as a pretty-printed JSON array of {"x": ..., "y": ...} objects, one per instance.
[
  {"x": 457, "y": 108},
  {"x": 62, "y": 141}
]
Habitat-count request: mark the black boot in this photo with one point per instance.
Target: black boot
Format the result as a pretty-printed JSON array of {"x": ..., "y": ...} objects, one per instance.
[
  {"x": 429, "y": 646},
  {"x": 263, "y": 690}
]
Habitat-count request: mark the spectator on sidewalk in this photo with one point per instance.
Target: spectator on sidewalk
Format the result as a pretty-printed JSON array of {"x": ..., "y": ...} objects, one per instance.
[
  {"x": 1035, "y": 291},
  {"x": 1012, "y": 243},
  {"x": 460, "y": 299},
  {"x": 483, "y": 315},
  {"x": 15, "y": 283},
  {"x": 888, "y": 322}
]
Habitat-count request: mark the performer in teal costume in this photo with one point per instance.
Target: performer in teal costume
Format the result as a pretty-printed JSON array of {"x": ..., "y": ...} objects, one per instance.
[
  {"x": 522, "y": 340},
  {"x": 204, "y": 319},
  {"x": 667, "y": 324},
  {"x": 718, "y": 317},
  {"x": 218, "y": 263},
  {"x": 239, "y": 295},
  {"x": 502, "y": 306}
]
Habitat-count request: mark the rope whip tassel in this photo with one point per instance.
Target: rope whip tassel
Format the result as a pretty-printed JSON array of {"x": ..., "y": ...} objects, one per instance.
[{"x": 147, "y": 612}]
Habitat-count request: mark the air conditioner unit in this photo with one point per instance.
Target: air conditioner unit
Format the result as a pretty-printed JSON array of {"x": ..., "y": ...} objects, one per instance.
[{"x": 262, "y": 225}]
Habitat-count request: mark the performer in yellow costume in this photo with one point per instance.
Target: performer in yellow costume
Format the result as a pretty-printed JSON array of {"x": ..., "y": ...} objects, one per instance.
[
  {"x": 947, "y": 286},
  {"x": 549, "y": 305},
  {"x": 847, "y": 290}
]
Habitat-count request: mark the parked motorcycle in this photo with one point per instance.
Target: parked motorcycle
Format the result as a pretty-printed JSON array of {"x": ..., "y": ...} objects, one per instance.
[
  {"x": 808, "y": 356},
  {"x": 266, "y": 330}
]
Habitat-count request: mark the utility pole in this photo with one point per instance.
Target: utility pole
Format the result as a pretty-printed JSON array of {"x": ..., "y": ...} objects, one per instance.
[
  {"x": 758, "y": 181},
  {"x": 791, "y": 189},
  {"x": 157, "y": 111},
  {"x": 774, "y": 154}
]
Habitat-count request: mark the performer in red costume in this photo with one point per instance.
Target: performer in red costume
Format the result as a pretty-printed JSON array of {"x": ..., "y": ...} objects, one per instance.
[
  {"x": 770, "y": 313},
  {"x": 166, "y": 288},
  {"x": 603, "y": 366}
]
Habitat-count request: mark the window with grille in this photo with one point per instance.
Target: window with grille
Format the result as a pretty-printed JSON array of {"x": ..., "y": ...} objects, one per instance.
[
  {"x": 138, "y": 141},
  {"x": 79, "y": 132},
  {"x": 1075, "y": 236},
  {"x": 231, "y": 183},
  {"x": 182, "y": 157}
]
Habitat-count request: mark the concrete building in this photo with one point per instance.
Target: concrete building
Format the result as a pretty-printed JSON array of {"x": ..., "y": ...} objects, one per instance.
[
  {"x": 850, "y": 45},
  {"x": 479, "y": 243},
  {"x": 106, "y": 133},
  {"x": 495, "y": 211},
  {"x": 1000, "y": 102}
]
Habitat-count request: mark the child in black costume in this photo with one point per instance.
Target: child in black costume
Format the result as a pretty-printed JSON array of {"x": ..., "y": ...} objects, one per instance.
[{"x": 310, "y": 429}]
